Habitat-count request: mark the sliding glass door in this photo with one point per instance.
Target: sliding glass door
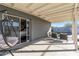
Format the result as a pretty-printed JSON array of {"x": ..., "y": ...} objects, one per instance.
[{"x": 25, "y": 30}]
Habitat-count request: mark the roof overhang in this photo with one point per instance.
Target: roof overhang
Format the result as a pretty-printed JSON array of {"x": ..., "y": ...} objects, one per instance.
[{"x": 52, "y": 12}]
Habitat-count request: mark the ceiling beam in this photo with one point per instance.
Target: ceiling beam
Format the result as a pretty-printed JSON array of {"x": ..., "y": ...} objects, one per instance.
[
  {"x": 55, "y": 9},
  {"x": 59, "y": 12},
  {"x": 55, "y": 15},
  {"x": 29, "y": 5},
  {"x": 62, "y": 17},
  {"x": 39, "y": 7},
  {"x": 49, "y": 8}
]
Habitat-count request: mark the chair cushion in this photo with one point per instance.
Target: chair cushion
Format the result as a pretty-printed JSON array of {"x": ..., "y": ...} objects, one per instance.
[{"x": 11, "y": 41}]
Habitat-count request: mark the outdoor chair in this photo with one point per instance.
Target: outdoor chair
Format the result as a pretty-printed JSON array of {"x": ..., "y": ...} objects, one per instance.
[
  {"x": 54, "y": 35},
  {"x": 63, "y": 36},
  {"x": 7, "y": 41}
]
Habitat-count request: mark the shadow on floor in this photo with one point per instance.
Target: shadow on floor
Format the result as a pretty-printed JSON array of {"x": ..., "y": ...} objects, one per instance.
[
  {"x": 25, "y": 51},
  {"x": 50, "y": 42}
]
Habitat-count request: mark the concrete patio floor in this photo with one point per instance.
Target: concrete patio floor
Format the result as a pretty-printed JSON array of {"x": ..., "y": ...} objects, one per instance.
[
  {"x": 47, "y": 47},
  {"x": 64, "y": 53}
]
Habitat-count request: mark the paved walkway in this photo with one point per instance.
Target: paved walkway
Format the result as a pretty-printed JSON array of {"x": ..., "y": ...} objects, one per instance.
[{"x": 47, "y": 47}]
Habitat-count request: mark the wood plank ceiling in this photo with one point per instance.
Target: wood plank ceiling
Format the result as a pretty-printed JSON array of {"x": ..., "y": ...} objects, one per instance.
[{"x": 52, "y": 12}]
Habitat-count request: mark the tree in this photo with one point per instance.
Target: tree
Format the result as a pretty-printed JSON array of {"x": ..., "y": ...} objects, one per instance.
[{"x": 68, "y": 25}]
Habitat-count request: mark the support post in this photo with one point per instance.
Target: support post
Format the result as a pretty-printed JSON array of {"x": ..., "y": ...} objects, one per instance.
[{"x": 74, "y": 26}]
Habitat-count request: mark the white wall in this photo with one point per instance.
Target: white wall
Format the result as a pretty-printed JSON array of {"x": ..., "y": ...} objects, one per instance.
[{"x": 39, "y": 28}]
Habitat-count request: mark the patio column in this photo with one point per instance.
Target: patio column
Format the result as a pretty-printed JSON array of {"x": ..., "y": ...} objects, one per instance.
[{"x": 74, "y": 26}]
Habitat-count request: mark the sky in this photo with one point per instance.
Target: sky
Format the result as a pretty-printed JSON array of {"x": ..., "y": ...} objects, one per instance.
[{"x": 61, "y": 24}]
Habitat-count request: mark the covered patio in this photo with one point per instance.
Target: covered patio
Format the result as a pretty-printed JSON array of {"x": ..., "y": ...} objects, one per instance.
[
  {"x": 47, "y": 47},
  {"x": 43, "y": 45}
]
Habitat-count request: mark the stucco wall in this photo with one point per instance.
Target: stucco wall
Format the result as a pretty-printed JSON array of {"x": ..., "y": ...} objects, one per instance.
[{"x": 39, "y": 26}]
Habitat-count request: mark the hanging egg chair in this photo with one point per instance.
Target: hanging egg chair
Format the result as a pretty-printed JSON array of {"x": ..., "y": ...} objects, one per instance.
[{"x": 8, "y": 35}]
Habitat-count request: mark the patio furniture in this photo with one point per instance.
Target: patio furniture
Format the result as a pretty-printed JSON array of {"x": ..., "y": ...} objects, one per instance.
[
  {"x": 63, "y": 36},
  {"x": 7, "y": 41},
  {"x": 10, "y": 40},
  {"x": 54, "y": 35}
]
